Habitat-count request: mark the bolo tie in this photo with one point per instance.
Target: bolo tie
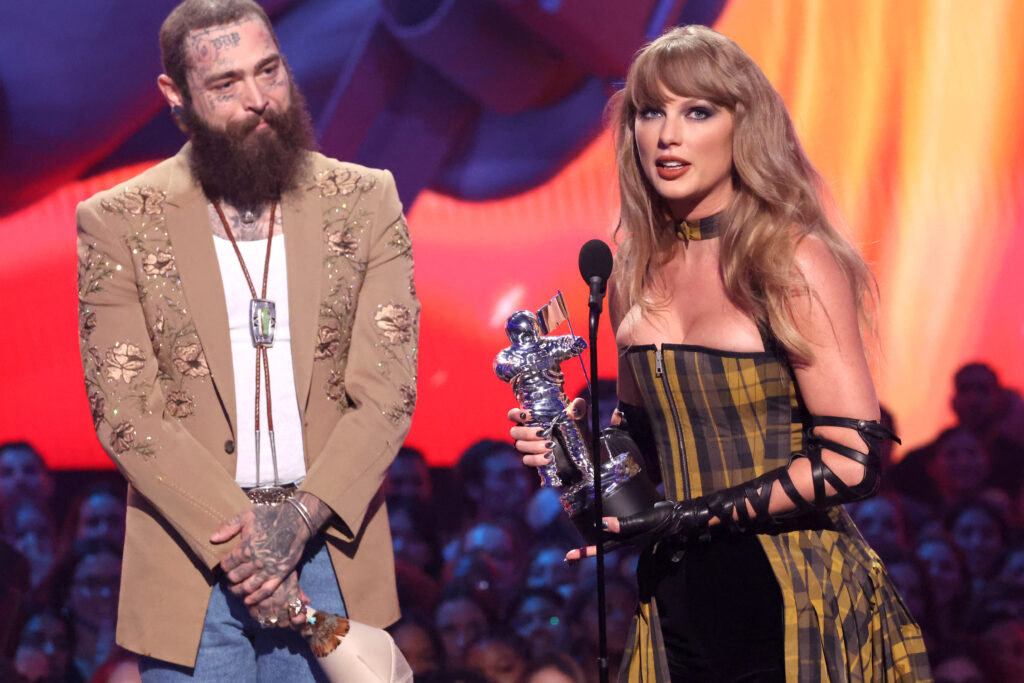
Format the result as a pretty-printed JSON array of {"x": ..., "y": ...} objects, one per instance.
[{"x": 262, "y": 323}]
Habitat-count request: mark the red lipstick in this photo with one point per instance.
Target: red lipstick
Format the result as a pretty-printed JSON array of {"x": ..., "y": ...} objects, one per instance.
[{"x": 670, "y": 167}]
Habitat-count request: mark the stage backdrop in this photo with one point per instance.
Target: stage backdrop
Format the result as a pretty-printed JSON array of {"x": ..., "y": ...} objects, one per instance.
[{"x": 911, "y": 110}]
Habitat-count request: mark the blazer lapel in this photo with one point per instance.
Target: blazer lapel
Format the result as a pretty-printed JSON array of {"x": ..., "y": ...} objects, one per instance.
[
  {"x": 303, "y": 239},
  {"x": 188, "y": 225}
]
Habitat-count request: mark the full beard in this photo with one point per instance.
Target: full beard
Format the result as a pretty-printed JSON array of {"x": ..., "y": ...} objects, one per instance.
[{"x": 245, "y": 167}]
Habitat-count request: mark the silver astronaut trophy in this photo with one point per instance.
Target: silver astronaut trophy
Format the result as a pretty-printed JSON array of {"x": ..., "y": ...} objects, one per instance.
[{"x": 532, "y": 364}]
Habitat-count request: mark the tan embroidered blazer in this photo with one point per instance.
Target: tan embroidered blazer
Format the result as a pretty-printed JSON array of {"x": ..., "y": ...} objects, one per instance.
[{"x": 158, "y": 372}]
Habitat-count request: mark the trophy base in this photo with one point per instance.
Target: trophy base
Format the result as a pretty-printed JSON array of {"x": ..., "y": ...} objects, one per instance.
[{"x": 627, "y": 491}]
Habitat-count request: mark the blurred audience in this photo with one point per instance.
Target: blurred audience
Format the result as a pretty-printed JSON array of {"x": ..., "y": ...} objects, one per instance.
[{"x": 479, "y": 550}]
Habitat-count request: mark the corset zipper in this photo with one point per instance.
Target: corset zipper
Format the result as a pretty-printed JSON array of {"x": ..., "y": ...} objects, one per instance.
[{"x": 659, "y": 370}]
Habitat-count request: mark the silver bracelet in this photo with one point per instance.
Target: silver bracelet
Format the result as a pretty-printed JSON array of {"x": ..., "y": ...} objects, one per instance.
[{"x": 303, "y": 512}]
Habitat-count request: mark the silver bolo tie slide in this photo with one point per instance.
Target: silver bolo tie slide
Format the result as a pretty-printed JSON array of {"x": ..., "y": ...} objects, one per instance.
[{"x": 262, "y": 325}]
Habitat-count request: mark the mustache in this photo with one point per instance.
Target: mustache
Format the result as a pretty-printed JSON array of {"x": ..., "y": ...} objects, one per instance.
[{"x": 239, "y": 130}]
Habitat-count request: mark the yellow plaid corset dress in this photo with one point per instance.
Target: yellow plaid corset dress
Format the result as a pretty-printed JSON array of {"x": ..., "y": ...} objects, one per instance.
[{"x": 719, "y": 419}]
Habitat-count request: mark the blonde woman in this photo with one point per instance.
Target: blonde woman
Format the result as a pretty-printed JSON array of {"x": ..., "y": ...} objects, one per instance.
[{"x": 738, "y": 309}]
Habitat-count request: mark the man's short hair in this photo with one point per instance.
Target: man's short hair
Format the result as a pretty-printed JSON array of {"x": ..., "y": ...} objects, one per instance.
[
  {"x": 470, "y": 464},
  {"x": 194, "y": 15},
  {"x": 981, "y": 368},
  {"x": 23, "y": 447}
]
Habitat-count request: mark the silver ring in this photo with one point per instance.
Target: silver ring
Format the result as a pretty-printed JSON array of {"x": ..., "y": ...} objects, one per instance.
[{"x": 295, "y": 607}]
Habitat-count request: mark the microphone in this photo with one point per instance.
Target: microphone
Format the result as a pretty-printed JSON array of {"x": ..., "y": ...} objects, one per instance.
[{"x": 595, "y": 267}]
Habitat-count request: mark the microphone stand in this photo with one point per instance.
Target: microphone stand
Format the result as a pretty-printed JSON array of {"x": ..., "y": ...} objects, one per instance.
[{"x": 596, "y": 296}]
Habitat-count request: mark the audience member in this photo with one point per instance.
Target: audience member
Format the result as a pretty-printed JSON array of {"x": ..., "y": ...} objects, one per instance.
[
  {"x": 502, "y": 551},
  {"x": 500, "y": 656},
  {"x": 946, "y": 572},
  {"x": 121, "y": 667},
  {"x": 538, "y": 616},
  {"x": 581, "y": 612},
  {"x": 460, "y": 620},
  {"x": 14, "y": 588},
  {"x": 91, "y": 579},
  {"x": 880, "y": 520},
  {"x": 46, "y": 647},
  {"x": 982, "y": 404},
  {"x": 548, "y": 569},
  {"x": 958, "y": 669},
  {"x": 451, "y": 676},
  {"x": 555, "y": 668},
  {"x": 1003, "y": 648},
  {"x": 29, "y": 526},
  {"x": 409, "y": 477},
  {"x": 962, "y": 468},
  {"x": 420, "y": 644},
  {"x": 1012, "y": 571},
  {"x": 414, "y": 535},
  {"x": 989, "y": 411},
  {"x": 496, "y": 484},
  {"x": 910, "y": 577},
  {"x": 981, "y": 533},
  {"x": 23, "y": 474},
  {"x": 100, "y": 515}
]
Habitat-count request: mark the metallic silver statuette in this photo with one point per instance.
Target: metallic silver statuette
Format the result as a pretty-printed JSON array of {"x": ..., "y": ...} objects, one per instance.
[{"x": 532, "y": 365}]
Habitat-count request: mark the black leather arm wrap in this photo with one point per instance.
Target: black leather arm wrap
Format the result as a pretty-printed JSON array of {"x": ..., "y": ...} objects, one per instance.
[{"x": 730, "y": 506}]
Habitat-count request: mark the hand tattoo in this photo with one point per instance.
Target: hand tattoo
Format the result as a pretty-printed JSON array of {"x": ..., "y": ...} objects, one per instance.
[{"x": 273, "y": 540}]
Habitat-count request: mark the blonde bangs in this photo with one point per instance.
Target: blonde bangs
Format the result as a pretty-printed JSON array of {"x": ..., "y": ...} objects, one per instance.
[{"x": 685, "y": 67}]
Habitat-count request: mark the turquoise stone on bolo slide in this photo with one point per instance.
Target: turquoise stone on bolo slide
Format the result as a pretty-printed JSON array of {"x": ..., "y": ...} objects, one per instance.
[{"x": 262, "y": 322}]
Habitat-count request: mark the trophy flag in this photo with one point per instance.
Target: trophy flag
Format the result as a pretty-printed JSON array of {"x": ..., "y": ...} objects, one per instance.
[{"x": 552, "y": 314}]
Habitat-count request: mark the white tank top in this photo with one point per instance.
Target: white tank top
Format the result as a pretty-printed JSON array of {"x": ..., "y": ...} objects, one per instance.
[{"x": 291, "y": 465}]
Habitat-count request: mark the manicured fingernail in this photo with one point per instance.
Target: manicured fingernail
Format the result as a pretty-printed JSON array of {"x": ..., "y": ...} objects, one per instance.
[
  {"x": 540, "y": 432},
  {"x": 549, "y": 444},
  {"x": 604, "y": 523},
  {"x": 522, "y": 416}
]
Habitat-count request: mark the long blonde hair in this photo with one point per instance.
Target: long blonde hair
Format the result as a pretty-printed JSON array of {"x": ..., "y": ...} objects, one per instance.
[{"x": 778, "y": 195}]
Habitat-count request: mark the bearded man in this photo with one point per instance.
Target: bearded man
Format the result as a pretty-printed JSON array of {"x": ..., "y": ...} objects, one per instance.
[{"x": 245, "y": 281}]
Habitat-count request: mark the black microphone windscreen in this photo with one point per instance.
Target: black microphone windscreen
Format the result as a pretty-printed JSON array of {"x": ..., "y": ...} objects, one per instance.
[{"x": 595, "y": 260}]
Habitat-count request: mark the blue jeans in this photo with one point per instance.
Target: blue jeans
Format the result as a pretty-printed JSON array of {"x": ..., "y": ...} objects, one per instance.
[{"x": 235, "y": 648}]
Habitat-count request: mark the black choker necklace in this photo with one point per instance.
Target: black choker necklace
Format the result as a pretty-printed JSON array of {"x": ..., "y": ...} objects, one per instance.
[{"x": 701, "y": 229}]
